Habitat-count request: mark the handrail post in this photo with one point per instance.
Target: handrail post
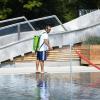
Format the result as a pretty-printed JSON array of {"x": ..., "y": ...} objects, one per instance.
[{"x": 18, "y": 28}]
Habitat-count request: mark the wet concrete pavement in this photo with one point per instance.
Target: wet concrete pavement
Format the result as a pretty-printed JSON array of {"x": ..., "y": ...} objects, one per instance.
[{"x": 58, "y": 86}]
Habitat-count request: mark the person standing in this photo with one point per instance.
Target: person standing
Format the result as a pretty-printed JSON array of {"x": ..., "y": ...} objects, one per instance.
[{"x": 44, "y": 45}]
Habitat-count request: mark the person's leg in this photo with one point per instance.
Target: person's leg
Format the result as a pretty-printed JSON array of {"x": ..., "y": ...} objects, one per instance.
[
  {"x": 38, "y": 61},
  {"x": 37, "y": 65},
  {"x": 42, "y": 58},
  {"x": 42, "y": 66}
]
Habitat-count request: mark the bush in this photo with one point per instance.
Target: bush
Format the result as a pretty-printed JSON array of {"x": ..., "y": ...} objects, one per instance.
[{"x": 93, "y": 40}]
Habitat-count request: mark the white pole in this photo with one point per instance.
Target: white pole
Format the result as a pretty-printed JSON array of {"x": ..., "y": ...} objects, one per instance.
[{"x": 71, "y": 72}]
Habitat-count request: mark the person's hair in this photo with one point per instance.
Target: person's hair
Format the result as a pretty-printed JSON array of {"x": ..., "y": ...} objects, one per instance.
[{"x": 47, "y": 26}]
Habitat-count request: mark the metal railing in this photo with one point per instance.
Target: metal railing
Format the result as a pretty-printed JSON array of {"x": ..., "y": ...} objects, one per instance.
[
  {"x": 15, "y": 32},
  {"x": 66, "y": 38}
]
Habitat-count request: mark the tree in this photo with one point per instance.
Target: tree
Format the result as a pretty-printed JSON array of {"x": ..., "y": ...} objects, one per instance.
[
  {"x": 16, "y": 8},
  {"x": 62, "y": 8},
  {"x": 4, "y": 10},
  {"x": 66, "y": 10},
  {"x": 97, "y": 3},
  {"x": 32, "y": 8},
  {"x": 32, "y": 4}
]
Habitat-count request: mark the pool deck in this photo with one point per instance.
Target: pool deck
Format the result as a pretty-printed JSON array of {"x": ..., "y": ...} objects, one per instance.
[{"x": 27, "y": 68}]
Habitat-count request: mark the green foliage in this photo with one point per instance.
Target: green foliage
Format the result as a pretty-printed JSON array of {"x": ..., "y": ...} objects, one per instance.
[
  {"x": 4, "y": 13},
  {"x": 62, "y": 8},
  {"x": 31, "y": 4},
  {"x": 93, "y": 40},
  {"x": 66, "y": 10},
  {"x": 4, "y": 10},
  {"x": 97, "y": 3},
  {"x": 70, "y": 14}
]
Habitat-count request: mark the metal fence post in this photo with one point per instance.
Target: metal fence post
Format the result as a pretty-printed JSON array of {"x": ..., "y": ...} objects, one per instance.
[
  {"x": 18, "y": 31},
  {"x": 71, "y": 72}
]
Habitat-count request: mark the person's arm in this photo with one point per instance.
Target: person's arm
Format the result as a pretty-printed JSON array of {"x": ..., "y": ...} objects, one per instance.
[{"x": 47, "y": 43}]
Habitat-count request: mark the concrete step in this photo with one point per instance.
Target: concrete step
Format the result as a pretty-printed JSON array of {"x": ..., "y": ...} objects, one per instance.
[
  {"x": 47, "y": 60},
  {"x": 54, "y": 55},
  {"x": 53, "y": 63}
]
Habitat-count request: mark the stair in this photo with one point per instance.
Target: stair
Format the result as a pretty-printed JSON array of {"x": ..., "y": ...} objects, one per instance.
[{"x": 58, "y": 54}]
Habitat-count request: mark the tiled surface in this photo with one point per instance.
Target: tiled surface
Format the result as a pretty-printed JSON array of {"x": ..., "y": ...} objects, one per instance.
[{"x": 84, "y": 86}]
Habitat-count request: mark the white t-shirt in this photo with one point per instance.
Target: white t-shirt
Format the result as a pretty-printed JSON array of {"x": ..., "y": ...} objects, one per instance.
[{"x": 44, "y": 47}]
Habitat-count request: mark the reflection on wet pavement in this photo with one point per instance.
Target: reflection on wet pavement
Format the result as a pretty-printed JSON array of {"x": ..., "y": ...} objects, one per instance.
[{"x": 85, "y": 86}]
